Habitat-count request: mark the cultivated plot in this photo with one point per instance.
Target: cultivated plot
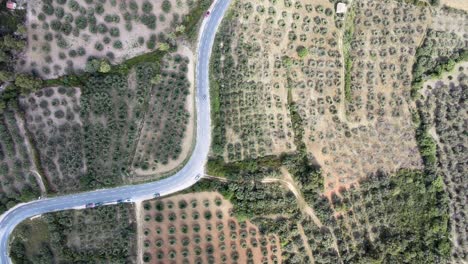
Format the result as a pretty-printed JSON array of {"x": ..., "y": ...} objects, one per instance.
[
  {"x": 64, "y": 34},
  {"x": 200, "y": 228}
]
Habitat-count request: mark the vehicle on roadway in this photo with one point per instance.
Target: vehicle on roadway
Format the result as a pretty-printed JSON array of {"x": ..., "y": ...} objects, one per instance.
[
  {"x": 90, "y": 205},
  {"x": 156, "y": 195},
  {"x": 207, "y": 13},
  {"x": 197, "y": 177},
  {"x": 98, "y": 204},
  {"x": 128, "y": 200}
]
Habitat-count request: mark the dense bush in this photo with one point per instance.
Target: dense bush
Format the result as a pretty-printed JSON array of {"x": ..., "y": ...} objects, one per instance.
[{"x": 166, "y": 6}]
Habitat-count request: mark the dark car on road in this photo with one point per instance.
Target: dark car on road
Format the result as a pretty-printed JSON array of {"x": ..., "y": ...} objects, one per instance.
[{"x": 128, "y": 200}]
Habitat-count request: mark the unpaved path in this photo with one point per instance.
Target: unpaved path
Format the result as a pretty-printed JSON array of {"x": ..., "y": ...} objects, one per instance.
[
  {"x": 306, "y": 244},
  {"x": 139, "y": 231},
  {"x": 40, "y": 182},
  {"x": 289, "y": 182},
  {"x": 215, "y": 178}
]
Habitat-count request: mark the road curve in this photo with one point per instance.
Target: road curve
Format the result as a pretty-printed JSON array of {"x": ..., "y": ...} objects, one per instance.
[{"x": 179, "y": 181}]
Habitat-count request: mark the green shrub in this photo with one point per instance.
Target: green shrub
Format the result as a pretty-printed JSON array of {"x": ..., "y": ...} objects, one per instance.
[
  {"x": 149, "y": 20},
  {"x": 68, "y": 18},
  {"x": 128, "y": 27},
  {"x": 147, "y": 7},
  {"x": 41, "y": 17},
  {"x": 117, "y": 44},
  {"x": 81, "y": 22},
  {"x": 302, "y": 52},
  {"x": 73, "y": 5},
  {"x": 81, "y": 51},
  {"x": 66, "y": 28},
  {"x": 166, "y": 6},
  {"x": 99, "y": 9},
  {"x": 48, "y": 9},
  {"x": 55, "y": 25},
  {"x": 59, "y": 12},
  {"x": 114, "y": 32},
  {"x": 98, "y": 46},
  {"x": 102, "y": 28}
]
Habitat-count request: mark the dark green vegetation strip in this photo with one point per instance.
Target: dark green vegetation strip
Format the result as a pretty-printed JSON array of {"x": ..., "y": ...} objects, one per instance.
[
  {"x": 442, "y": 110},
  {"x": 348, "y": 62},
  {"x": 251, "y": 198},
  {"x": 217, "y": 144},
  {"x": 100, "y": 235}
]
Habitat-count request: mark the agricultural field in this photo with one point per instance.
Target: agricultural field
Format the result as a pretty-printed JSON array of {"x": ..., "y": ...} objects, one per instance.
[
  {"x": 117, "y": 117},
  {"x": 53, "y": 118},
  {"x": 296, "y": 50},
  {"x": 359, "y": 161},
  {"x": 80, "y": 132},
  {"x": 364, "y": 124},
  {"x": 63, "y": 35},
  {"x": 249, "y": 88},
  {"x": 98, "y": 235},
  {"x": 116, "y": 129},
  {"x": 167, "y": 131},
  {"x": 201, "y": 228},
  {"x": 19, "y": 178},
  {"x": 443, "y": 111}
]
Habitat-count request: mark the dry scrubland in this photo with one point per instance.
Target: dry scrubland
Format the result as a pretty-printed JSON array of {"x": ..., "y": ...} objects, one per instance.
[
  {"x": 64, "y": 34},
  {"x": 201, "y": 228},
  {"x": 99, "y": 235}
]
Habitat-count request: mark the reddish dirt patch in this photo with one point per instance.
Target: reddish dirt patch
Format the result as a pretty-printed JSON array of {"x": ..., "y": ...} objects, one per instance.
[{"x": 200, "y": 228}]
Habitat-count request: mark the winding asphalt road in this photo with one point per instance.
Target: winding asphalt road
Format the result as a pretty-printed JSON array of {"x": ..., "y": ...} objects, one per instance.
[{"x": 183, "y": 179}]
